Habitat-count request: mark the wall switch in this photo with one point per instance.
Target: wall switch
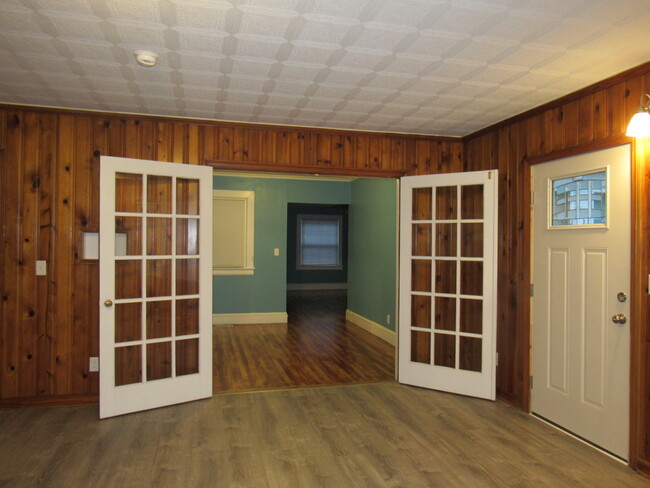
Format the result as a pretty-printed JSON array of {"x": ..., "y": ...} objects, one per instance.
[
  {"x": 387, "y": 319},
  {"x": 93, "y": 365},
  {"x": 276, "y": 252},
  {"x": 41, "y": 268}
]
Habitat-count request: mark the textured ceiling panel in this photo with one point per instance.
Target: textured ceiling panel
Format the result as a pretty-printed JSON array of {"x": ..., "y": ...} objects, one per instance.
[{"x": 446, "y": 67}]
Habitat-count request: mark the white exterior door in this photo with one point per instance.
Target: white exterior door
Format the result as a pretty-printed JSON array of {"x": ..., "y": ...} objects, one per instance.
[
  {"x": 155, "y": 284},
  {"x": 581, "y": 263},
  {"x": 447, "y": 298}
]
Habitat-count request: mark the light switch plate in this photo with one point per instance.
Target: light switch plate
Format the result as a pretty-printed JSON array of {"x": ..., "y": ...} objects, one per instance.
[
  {"x": 41, "y": 268},
  {"x": 93, "y": 364}
]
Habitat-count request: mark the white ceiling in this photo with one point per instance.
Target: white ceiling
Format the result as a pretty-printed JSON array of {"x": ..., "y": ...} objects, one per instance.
[{"x": 444, "y": 67}]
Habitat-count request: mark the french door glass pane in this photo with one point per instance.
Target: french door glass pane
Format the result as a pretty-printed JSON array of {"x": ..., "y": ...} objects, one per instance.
[
  {"x": 159, "y": 194},
  {"x": 471, "y": 197},
  {"x": 471, "y": 278},
  {"x": 471, "y": 240},
  {"x": 128, "y": 279},
  {"x": 128, "y": 193},
  {"x": 445, "y": 313},
  {"x": 128, "y": 236},
  {"x": 420, "y": 346},
  {"x": 470, "y": 356},
  {"x": 159, "y": 277},
  {"x": 159, "y": 360},
  {"x": 421, "y": 240},
  {"x": 445, "y": 276},
  {"x": 128, "y": 365},
  {"x": 159, "y": 319},
  {"x": 421, "y": 311},
  {"x": 187, "y": 196},
  {"x": 421, "y": 275},
  {"x": 446, "y": 203},
  {"x": 471, "y": 316},
  {"x": 187, "y": 236},
  {"x": 445, "y": 350},
  {"x": 128, "y": 320},
  {"x": 187, "y": 276},
  {"x": 187, "y": 316},
  {"x": 187, "y": 357},
  {"x": 422, "y": 203},
  {"x": 446, "y": 240}
]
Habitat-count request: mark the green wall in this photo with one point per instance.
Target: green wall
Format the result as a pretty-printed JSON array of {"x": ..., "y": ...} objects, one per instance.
[
  {"x": 372, "y": 250},
  {"x": 265, "y": 291}
]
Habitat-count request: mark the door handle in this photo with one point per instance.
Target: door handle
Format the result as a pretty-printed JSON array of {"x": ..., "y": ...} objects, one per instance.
[
  {"x": 108, "y": 303},
  {"x": 619, "y": 318}
]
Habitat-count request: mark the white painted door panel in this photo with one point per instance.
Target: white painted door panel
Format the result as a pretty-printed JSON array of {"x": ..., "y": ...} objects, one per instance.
[
  {"x": 447, "y": 326},
  {"x": 155, "y": 284},
  {"x": 580, "y": 358}
]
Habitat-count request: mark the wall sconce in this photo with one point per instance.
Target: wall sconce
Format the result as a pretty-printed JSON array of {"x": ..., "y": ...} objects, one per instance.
[{"x": 639, "y": 126}]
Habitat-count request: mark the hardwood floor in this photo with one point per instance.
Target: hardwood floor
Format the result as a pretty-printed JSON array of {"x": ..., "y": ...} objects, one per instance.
[
  {"x": 371, "y": 435},
  {"x": 314, "y": 348}
]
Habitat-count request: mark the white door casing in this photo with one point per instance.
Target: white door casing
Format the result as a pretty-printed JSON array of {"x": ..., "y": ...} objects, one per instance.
[
  {"x": 580, "y": 358},
  {"x": 447, "y": 291},
  {"x": 155, "y": 284}
]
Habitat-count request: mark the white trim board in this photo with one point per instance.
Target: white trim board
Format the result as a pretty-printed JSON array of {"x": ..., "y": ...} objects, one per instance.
[
  {"x": 374, "y": 328},
  {"x": 317, "y": 286},
  {"x": 249, "y": 318}
]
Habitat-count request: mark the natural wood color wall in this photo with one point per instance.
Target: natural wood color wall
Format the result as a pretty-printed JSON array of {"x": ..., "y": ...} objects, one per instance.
[
  {"x": 49, "y": 196},
  {"x": 591, "y": 119}
]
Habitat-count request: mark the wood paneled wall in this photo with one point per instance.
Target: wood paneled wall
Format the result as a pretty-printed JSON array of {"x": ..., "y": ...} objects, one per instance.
[
  {"x": 49, "y": 196},
  {"x": 593, "y": 118}
]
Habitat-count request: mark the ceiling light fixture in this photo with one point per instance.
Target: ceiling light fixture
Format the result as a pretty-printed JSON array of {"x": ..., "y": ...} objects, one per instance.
[
  {"x": 148, "y": 59},
  {"x": 639, "y": 126}
]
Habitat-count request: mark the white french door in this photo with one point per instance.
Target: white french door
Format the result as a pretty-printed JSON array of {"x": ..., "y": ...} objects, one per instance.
[
  {"x": 155, "y": 284},
  {"x": 447, "y": 298},
  {"x": 581, "y": 273}
]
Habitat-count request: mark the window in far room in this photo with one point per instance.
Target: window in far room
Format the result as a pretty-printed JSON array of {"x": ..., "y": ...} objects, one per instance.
[{"x": 319, "y": 242}]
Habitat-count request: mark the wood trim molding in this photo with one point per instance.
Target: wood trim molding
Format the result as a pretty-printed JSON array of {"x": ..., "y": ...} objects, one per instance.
[
  {"x": 639, "y": 305},
  {"x": 50, "y": 401},
  {"x": 312, "y": 170},
  {"x": 580, "y": 149},
  {"x": 374, "y": 328}
]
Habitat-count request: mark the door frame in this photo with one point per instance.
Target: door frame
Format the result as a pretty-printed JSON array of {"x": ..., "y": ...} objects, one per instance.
[{"x": 638, "y": 284}]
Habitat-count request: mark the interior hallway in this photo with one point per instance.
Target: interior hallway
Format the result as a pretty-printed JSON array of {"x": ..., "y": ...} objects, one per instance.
[{"x": 314, "y": 348}]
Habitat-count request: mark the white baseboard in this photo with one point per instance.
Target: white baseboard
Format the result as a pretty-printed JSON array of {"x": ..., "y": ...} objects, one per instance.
[
  {"x": 317, "y": 286},
  {"x": 249, "y": 318},
  {"x": 373, "y": 327}
]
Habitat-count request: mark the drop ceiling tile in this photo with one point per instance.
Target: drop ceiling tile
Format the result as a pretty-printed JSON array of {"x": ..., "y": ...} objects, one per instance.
[
  {"x": 315, "y": 53},
  {"x": 437, "y": 43},
  {"x": 97, "y": 51},
  {"x": 202, "y": 41},
  {"x": 269, "y": 23},
  {"x": 18, "y": 20},
  {"x": 128, "y": 10},
  {"x": 140, "y": 35},
  {"x": 380, "y": 37},
  {"x": 76, "y": 26},
  {"x": 109, "y": 85},
  {"x": 257, "y": 47},
  {"x": 208, "y": 16},
  {"x": 347, "y": 76},
  {"x": 325, "y": 30},
  {"x": 34, "y": 43},
  {"x": 339, "y": 8},
  {"x": 251, "y": 66}
]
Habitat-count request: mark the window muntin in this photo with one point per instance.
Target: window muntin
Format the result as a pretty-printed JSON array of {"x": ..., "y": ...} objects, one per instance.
[
  {"x": 319, "y": 242},
  {"x": 579, "y": 201}
]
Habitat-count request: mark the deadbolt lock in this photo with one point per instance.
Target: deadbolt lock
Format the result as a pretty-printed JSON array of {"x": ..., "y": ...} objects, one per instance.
[{"x": 622, "y": 297}]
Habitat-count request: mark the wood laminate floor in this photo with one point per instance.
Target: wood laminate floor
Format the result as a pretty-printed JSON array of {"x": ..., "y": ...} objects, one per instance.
[
  {"x": 369, "y": 435},
  {"x": 316, "y": 347}
]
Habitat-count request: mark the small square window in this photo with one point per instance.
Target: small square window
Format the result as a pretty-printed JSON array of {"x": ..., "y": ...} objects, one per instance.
[{"x": 579, "y": 201}]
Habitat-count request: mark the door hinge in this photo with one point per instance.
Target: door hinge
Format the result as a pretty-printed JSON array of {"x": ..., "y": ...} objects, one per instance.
[
  {"x": 531, "y": 382},
  {"x": 532, "y": 290},
  {"x": 489, "y": 175}
]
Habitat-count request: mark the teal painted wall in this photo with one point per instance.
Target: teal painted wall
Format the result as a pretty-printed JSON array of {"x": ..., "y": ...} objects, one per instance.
[
  {"x": 265, "y": 291},
  {"x": 372, "y": 250}
]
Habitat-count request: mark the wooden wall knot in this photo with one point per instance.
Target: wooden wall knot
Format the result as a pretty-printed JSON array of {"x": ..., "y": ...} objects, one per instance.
[{"x": 36, "y": 183}]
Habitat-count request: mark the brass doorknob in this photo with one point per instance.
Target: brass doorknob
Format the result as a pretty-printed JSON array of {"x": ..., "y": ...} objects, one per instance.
[
  {"x": 108, "y": 303},
  {"x": 619, "y": 318}
]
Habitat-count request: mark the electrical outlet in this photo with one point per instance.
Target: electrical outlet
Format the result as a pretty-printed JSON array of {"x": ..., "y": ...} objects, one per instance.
[
  {"x": 388, "y": 319},
  {"x": 93, "y": 365}
]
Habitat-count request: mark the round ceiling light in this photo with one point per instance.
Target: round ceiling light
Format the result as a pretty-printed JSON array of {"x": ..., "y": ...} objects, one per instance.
[{"x": 148, "y": 59}]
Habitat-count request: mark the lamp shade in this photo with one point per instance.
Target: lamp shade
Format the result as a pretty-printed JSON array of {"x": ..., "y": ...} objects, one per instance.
[{"x": 639, "y": 126}]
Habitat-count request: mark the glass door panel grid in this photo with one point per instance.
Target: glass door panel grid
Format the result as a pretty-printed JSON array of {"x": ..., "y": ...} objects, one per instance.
[
  {"x": 180, "y": 357},
  {"x": 452, "y": 332}
]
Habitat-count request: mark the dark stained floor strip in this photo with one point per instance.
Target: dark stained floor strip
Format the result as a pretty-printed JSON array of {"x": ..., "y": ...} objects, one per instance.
[{"x": 315, "y": 348}]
